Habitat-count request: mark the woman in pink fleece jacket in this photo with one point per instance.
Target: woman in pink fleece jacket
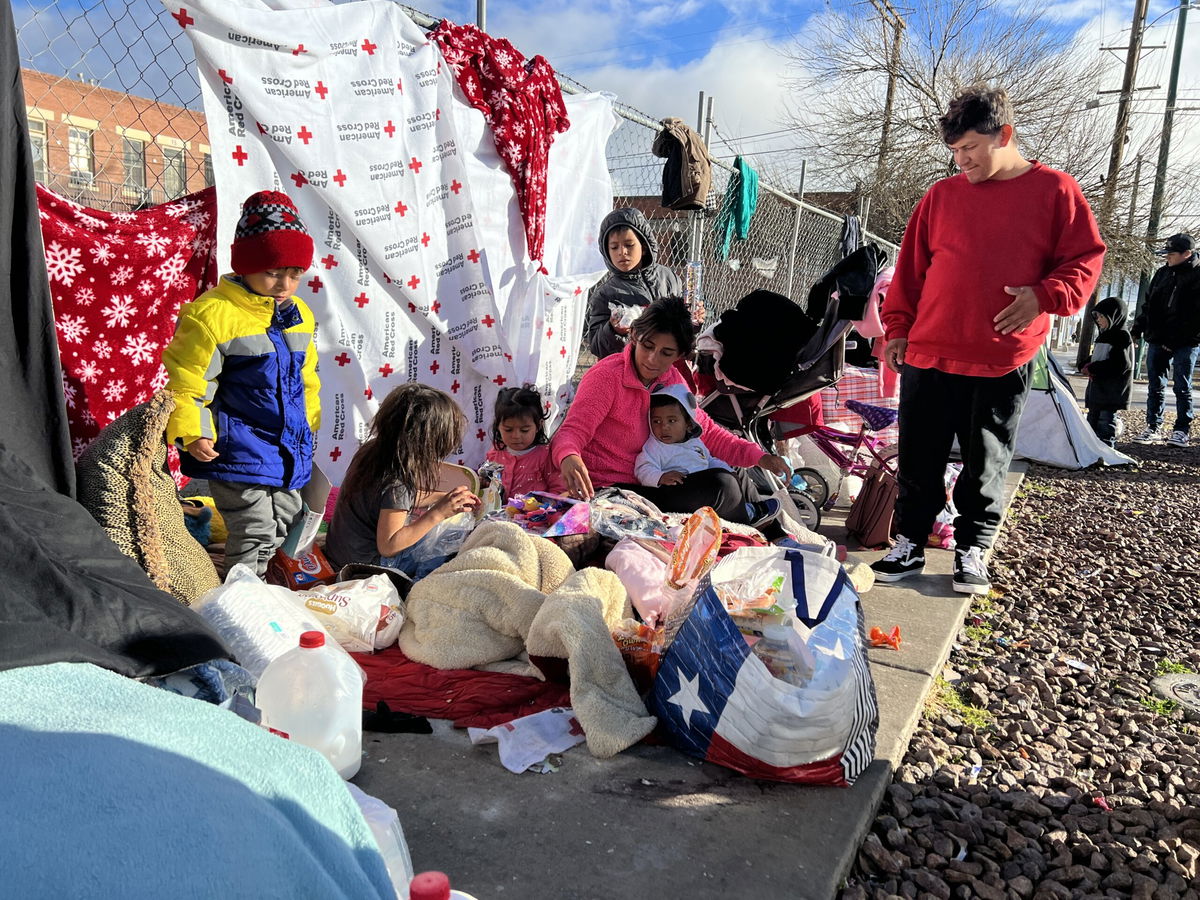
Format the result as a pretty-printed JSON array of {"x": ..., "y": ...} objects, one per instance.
[{"x": 608, "y": 421}]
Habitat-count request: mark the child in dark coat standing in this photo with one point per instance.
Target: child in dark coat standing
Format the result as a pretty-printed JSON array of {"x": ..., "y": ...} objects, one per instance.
[{"x": 1110, "y": 370}]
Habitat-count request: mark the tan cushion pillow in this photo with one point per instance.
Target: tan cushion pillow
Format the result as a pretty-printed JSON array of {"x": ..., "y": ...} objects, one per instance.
[{"x": 124, "y": 483}]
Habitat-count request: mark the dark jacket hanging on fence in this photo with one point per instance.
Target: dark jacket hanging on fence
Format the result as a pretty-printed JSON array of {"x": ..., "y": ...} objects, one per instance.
[{"x": 687, "y": 174}]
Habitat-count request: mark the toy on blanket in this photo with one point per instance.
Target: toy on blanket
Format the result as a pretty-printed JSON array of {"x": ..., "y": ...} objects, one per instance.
[{"x": 547, "y": 515}]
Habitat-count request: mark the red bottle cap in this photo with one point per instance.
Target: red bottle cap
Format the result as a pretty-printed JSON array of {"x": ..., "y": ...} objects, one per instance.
[
  {"x": 429, "y": 886},
  {"x": 311, "y": 639}
]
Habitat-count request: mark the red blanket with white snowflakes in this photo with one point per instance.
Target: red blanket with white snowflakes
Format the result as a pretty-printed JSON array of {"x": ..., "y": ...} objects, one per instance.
[{"x": 118, "y": 280}]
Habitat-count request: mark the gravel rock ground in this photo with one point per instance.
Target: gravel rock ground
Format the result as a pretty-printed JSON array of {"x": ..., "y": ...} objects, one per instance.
[{"x": 1045, "y": 766}]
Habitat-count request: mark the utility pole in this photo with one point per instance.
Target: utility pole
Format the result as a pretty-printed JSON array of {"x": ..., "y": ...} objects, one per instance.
[
  {"x": 1164, "y": 151},
  {"x": 1164, "y": 147},
  {"x": 892, "y": 17},
  {"x": 1087, "y": 328},
  {"x": 481, "y": 14},
  {"x": 1121, "y": 129}
]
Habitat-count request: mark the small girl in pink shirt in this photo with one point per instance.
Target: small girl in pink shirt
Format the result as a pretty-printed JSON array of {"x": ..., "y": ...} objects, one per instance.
[{"x": 520, "y": 444}]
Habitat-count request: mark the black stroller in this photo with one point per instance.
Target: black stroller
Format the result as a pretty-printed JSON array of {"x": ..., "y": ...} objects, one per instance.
[{"x": 767, "y": 354}]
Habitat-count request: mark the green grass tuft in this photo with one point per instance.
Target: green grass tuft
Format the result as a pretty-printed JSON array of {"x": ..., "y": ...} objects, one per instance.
[
  {"x": 943, "y": 697},
  {"x": 1170, "y": 667}
]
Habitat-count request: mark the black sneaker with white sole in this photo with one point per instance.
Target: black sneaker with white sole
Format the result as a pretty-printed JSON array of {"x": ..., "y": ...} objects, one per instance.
[
  {"x": 904, "y": 559},
  {"x": 763, "y": 512},
  {"x": 970, "y": 571}
]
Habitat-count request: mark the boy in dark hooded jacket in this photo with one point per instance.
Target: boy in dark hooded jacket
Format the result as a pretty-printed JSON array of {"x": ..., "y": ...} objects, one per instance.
[
  {"x": 634, "y": 279},
  {"x": 1110, "y": 370}
]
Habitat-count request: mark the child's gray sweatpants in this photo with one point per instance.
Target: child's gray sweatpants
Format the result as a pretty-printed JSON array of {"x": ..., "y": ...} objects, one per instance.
[{"x": 258, "y": 518}]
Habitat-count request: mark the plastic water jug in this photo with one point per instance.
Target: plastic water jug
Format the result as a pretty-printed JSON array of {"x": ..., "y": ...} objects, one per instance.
[
  {"x": 434, "y": 886},
  {"x": 313, "y": 694}
]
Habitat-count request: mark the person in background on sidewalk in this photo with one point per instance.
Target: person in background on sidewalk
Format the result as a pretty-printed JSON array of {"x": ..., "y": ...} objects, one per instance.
[
  {"x": 1170, "y": 322},
  {"x": 1110, "y": 370},
  {"x": 988, "y": 255}
]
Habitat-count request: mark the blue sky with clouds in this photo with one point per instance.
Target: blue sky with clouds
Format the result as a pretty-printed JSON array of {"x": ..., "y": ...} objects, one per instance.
[{"x": 655, "y": 56}]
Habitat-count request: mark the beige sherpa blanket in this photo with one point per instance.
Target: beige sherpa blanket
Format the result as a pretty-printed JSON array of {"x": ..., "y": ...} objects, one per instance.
[{"x": 508, "y": 591}]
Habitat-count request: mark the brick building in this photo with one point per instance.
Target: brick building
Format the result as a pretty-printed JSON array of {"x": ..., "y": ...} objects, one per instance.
[{"x": 110, "y": 150}]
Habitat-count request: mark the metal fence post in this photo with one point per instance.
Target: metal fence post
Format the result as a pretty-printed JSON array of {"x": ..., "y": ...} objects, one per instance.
[{"x": 796, "y": 229}]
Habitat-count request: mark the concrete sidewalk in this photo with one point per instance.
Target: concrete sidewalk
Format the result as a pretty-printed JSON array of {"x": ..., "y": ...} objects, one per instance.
[{"x": 652, "y": 822}]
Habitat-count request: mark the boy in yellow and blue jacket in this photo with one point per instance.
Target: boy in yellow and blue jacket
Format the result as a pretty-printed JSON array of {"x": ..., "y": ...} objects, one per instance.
[{"x": 243, "y": 368}]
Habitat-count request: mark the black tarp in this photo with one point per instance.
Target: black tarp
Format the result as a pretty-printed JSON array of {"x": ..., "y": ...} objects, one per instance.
[
  {"x": 67, "y": 594},
  {"x": 33, "y": 415}
]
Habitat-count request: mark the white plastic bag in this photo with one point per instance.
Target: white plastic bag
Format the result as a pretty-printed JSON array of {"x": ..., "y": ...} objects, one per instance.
[
  {"x": 363, "y": 615},
  {"x": 257, "y": 620},
  {"x": 384, "y": 823}
]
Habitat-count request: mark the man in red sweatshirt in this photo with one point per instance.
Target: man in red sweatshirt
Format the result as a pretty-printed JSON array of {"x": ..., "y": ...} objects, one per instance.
[{"x": 987, "y": 257}]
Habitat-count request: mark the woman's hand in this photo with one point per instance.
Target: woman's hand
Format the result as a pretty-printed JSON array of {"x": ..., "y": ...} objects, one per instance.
[
  {"x": 698, "y": 316},
  {"x": 776, "y": 464},
  {"x": 575, "y": 476},
  {"x": 456, "y": 501}
]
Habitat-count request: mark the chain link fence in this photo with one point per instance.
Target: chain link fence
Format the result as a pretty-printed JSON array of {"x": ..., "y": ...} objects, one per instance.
[
  {"x": 97, "y": 140},
  {"x": 790, "y": 245},
  {"x": 115, "y": 118}
]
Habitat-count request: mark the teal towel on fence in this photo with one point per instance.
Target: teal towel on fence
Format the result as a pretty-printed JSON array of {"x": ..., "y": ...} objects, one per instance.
[
  {"x": 737, "y": 208},
  {"x": 110, "y": 788}
]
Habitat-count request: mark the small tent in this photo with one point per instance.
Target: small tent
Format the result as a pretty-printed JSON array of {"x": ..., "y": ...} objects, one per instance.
[{"x": 1053, "y": 430}]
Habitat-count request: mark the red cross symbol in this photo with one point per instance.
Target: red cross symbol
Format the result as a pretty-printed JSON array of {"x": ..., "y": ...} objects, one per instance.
[
  {"x": 455, "y": 187},
  {"x": 437, "y": 113},
  {"x": 424, "y": 239},
  {"x": 362, "y": 299},
  {"x": 488, "y": 320},
  {"x": 479, "y": 436},
  {"x": 340, "y": 178},
  {"x": 300, "y": 49},
  {"x": 576, "y": 728},
  {"x": 342, "y": 359},
  {"x": 389, "y": 128},
  {"x": 262, "y": 129},
  {"x": 473, "y": 256},
  {"x": 433, "y": 367},
  {"x": 368, "y": 47},
  {"x": 240, "y": 155},
  {"x": 225, "y": 76},
  {"x": 304, "y": 134},
  {"x": 300, "y": 178},
  {"x": 335, "y": 453},
  {"x": 436, "y": 308},
  {"x": 508, "y": 356},
  {"x": 369, "y": 394},
  {"x": 454, "y": 387},
  {"x": 321, "y": 89},
  {"x": 400, "y": 207},
  {"x": 329, "y": 262},
  {"x": 413, "y": 282},
  {"x": 562, "y": 352},
  {"x": 415, "y": 164},
  {"x": 412, "y": 307},
  {"x": 578, "y": 290},
  {"x": 549, "y": 333},
  {"x": 315, "y": 283},
  {"x": 499, "y": 380},
  {"x": 386, "y": 369},
  {"x": 183, "y": 18},
  {"x": 400, "y": 85}
]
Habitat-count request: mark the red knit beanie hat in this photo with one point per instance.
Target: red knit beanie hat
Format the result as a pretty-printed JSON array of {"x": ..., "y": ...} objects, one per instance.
[{"x": 270, "y": 235}]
